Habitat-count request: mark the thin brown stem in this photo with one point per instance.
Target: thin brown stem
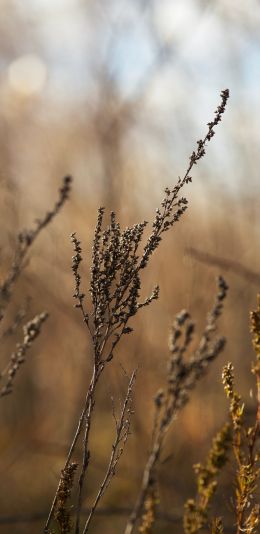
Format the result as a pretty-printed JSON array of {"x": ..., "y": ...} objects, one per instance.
[
  {"x": 69, "y": 456},
  {"x": 86, "y": 453},
  {"x": 122, "y": 432}
]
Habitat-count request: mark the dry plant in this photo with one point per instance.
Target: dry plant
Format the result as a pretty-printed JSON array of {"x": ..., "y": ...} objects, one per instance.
[
  {"x": 182, "y": 376},
  {"x": 31, "y": 331},
  {"x": 244, "y": 443},
  {"x": 62, "y": 512},
  {"x": 32, "y": 328},
  {"x": 115, "y": 285},
  {"x": 196, "y": 513}
]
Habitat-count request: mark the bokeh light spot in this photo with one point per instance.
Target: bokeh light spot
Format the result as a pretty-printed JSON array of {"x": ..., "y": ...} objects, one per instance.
[{"x": 27, "y": 74}]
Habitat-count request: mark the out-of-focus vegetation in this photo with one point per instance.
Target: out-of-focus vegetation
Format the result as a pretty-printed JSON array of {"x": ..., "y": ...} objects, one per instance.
[{"x": 115, "y": 93}]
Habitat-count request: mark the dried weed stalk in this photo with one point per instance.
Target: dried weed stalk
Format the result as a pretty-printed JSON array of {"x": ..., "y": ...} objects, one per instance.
[
  {"x": 30, "y": 331},
  {"x": 196, "y": 515},
  {"x": 149, "y": 511},
  {"x": 33, "y": 328},
  {"x": 244, "y": 442},
  {"x": 117, "y": 264},
  {"x": 17, "y": 321},
  {"x": 217, "y": 526},
  {"x": 62, "y": 512},
  {"x": 25, "y": 239},
  {"x": 182, "y": 376}
]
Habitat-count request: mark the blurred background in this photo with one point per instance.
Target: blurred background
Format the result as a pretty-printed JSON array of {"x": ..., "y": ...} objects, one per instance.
[{"x": 116, "y": 93}]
